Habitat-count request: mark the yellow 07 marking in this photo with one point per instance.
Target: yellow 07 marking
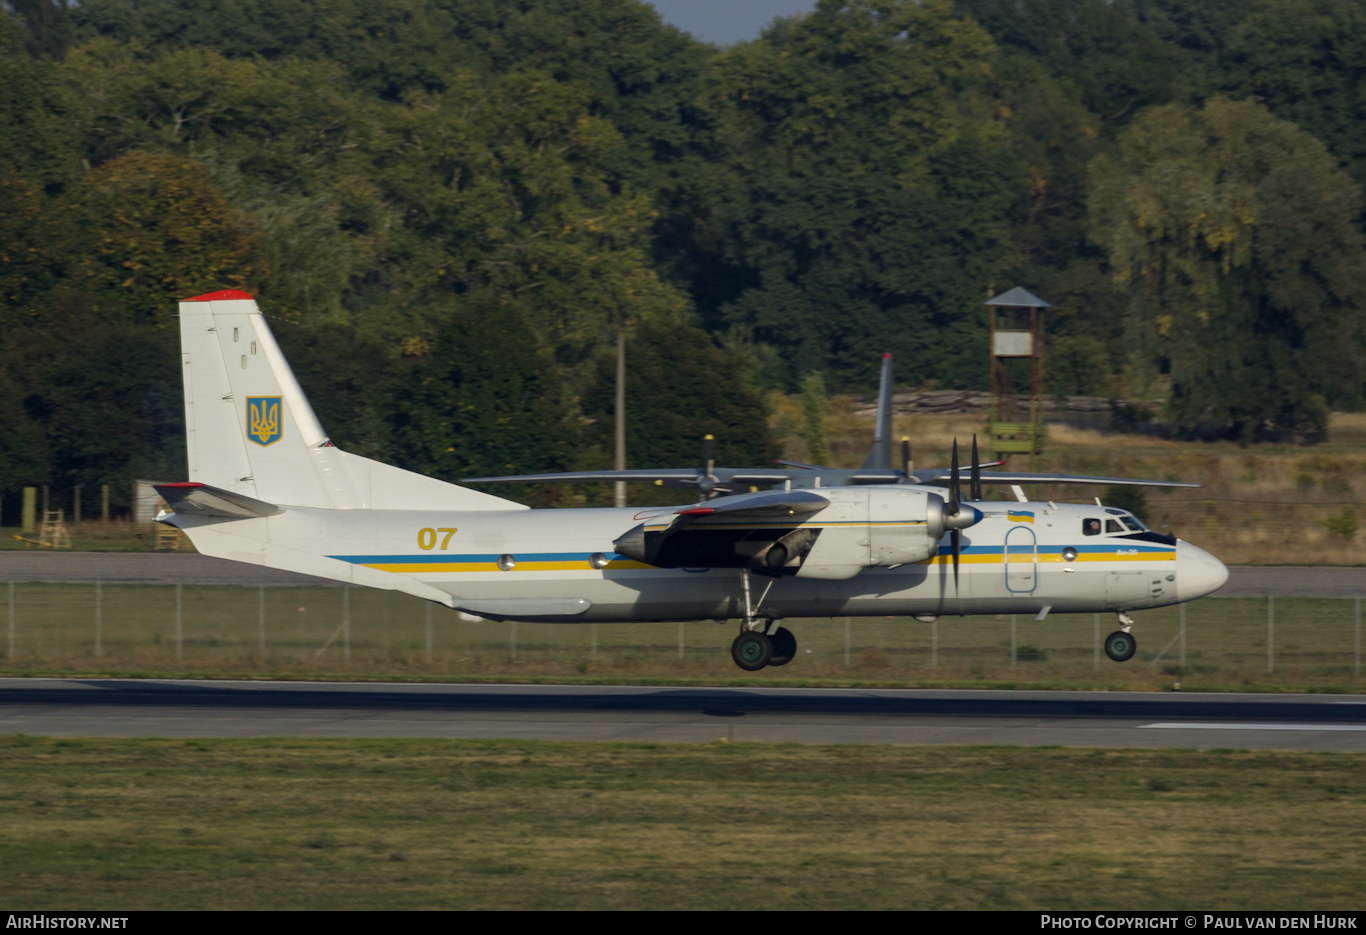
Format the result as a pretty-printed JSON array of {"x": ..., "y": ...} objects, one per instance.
[{"x": 426, "y": 538}]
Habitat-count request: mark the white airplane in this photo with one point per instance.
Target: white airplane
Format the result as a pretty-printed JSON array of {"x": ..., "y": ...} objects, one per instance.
[{"x": 267, "y": 487}]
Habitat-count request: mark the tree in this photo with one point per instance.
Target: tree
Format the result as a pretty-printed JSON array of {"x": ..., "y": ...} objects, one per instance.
[
  {"x": 875, "y": 178},
  {"x": 1235, "y": 235},
  {"x": 680, "y": 387}
]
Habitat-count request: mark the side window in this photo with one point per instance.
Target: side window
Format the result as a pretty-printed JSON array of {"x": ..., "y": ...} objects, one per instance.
[
  {"x": 1112, "y": 525},
  {"x": 1090, "y": 527}
]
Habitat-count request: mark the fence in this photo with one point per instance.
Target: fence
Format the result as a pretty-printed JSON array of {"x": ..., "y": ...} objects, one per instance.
[{"x": 173, "y": 628}]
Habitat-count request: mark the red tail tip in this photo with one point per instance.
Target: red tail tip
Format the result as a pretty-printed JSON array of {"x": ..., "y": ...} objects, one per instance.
[{"x": 222, "y": 296}]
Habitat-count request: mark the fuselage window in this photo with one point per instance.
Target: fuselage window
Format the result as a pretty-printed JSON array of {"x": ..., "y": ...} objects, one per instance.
[{"x": 1090, "y": 527}]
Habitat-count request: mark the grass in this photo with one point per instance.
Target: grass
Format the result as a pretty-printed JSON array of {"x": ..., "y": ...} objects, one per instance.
[
  {"x": 438, "y": 824},
  {"x": 288, "y": 632}
]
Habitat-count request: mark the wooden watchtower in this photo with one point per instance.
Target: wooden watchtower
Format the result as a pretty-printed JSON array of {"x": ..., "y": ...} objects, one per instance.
[{"x": 1016, "y": 332}]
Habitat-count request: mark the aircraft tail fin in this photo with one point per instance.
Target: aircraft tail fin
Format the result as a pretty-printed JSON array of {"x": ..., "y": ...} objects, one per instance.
[
  {"x": 880, "y": 457},
  {"x": 252, "y": 435}
]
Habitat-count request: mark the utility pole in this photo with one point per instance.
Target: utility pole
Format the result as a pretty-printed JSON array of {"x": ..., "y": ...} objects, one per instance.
[{"x": 620, "y": 499}]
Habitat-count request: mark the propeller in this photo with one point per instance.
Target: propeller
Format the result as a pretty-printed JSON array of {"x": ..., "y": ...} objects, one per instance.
[
  {"x": 706, "y": 482},
  {"x": 954, "y": 508},
  {"x": 957, "y": 515},
  {"x": 907, "y": 462}
]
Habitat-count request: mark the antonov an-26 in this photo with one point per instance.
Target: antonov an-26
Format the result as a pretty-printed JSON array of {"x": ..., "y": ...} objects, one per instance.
[{"x": 268, "y": 487}]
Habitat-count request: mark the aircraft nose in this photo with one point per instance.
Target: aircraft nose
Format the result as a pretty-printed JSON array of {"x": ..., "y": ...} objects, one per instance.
[{"x": 1197, "y": 572}]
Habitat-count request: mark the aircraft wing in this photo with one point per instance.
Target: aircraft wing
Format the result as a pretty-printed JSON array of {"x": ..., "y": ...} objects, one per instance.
[
  {"x": 680, "y": 476},
  {"x": 939, "y": 477}
]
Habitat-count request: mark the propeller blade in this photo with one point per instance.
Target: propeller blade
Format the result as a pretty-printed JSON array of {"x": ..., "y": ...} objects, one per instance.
[
  {"x": 706, "y": 481},
  {"x": 955, "y": 482},
  {"x": 957, "y": 540},
  {"x": 907, "y": 464},
  {"x": 975, "y": 475}
]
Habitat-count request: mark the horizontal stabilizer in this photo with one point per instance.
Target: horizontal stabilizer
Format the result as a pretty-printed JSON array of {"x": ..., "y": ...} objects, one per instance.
[{"x": 195, "y": 499}]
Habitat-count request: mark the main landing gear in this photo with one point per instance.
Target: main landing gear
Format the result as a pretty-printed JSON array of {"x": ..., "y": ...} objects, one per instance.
[
  {"x": 1121, "y": 645},
  {"x": 762, "y": 642},
  {"x": 754, "y": 649}
]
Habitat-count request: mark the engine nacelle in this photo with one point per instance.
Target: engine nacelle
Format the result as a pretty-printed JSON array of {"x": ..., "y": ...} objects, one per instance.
[
  {"x": 881, "y": 527},
  {"x": 862, "y": 527}
]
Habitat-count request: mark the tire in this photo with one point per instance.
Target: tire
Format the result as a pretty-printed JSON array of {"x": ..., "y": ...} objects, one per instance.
[
  {"x": 784, "y": 647},
  {"x": 1121, "y": 646},
  {"x": 751, "y": 651}
]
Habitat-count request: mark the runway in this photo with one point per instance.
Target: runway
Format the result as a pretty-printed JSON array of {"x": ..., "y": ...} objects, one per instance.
[{"x": 166, "y": 708}]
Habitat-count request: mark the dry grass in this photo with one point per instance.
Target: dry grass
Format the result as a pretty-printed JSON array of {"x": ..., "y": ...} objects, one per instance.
[
  {"x": 221, "y": 635},
  {"x": 466, "y": 824}
]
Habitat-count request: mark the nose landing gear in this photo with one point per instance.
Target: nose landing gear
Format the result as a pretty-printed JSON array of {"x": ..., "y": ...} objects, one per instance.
[{"x": 1121, "y": 645}]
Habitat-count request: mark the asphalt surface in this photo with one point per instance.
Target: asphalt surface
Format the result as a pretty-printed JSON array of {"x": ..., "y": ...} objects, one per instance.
[
  {"x": 253, "y": 709},
  {"x": 191, "y": 568},
  {"x": 165, "y": 708}
]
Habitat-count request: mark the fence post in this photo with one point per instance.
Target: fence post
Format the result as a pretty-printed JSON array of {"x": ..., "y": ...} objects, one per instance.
[
  {"x": 28, "y": 517},
  {"x": 1270, "y": 633},
  {"x": 179, "y": 621},
  {"x": 1095, "y": 645},
  {"x": 346, "y": 622},
  {"x": 1183, "y": 637}
]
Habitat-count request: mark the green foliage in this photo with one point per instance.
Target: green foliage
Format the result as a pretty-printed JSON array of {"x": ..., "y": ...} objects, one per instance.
[
  {"x": 871, "y": 180},
  {"x": 1079, "y": 366},
  {"x": 850, "y": 183},
  {"x": 680, "y": 387},
  {"x": 814, "y": 404},
  {"x": 1344, "y": 524},
  {"x": 1235, "y": 234},
  {"x": 483, "y": 400}
]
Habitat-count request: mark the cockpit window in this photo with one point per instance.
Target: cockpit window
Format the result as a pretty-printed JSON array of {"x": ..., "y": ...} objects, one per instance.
[
  {"x": 1112, "y": 525},
  {"x": 1132, "y": 523},
  {"x": 1090, "y": 527}
]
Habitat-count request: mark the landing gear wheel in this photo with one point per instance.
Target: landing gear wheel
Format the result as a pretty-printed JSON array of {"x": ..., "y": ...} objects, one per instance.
[
  {"x": 1121, "y": 646},
  {"x": 784, "y": 647},
  {"x": 751, "y": 651}
]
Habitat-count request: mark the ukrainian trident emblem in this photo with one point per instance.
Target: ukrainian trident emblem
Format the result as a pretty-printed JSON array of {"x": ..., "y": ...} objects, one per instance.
[{"x": 263, "y": 419}]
